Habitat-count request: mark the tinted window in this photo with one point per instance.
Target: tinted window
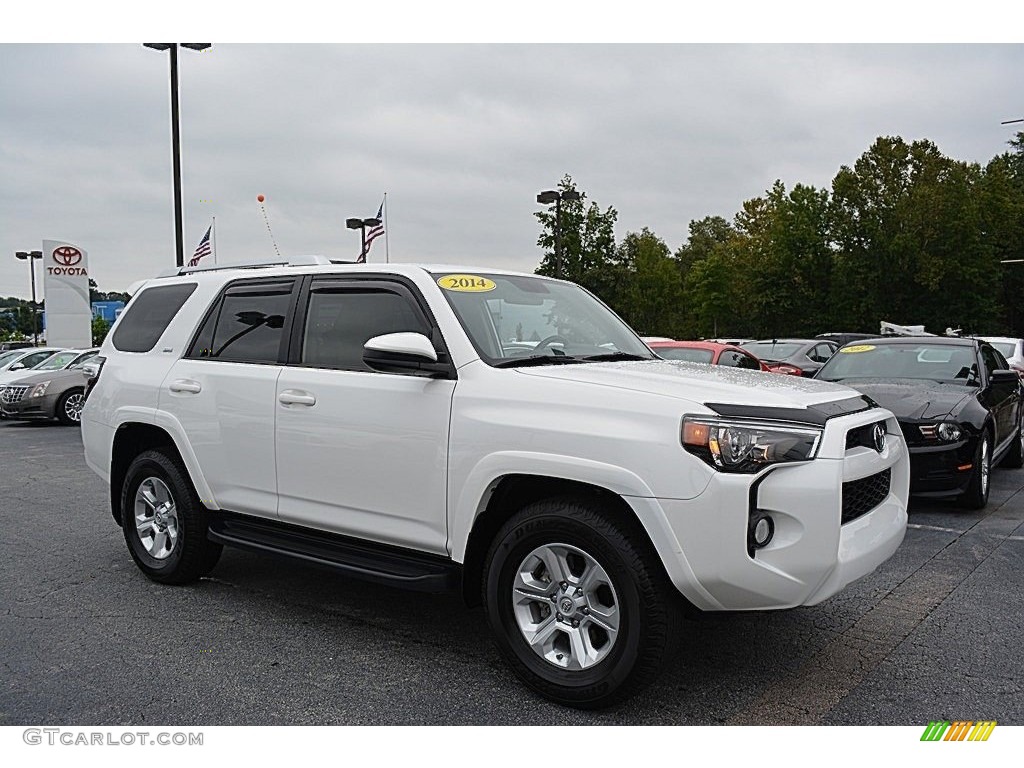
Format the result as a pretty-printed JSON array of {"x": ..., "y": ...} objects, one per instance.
[
  {"x": 746, "y": 361},
  {"x": 689, "y": 354},
  {"x": 145, "y": 321},
  {"x": 246, "y": 325},
  {"x": 773, "y": 350},
  {"x": 340, "y": 321},
  {"x": 988, "y": 356}
]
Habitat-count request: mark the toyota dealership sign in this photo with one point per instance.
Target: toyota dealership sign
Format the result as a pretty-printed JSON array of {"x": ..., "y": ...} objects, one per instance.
[{"x": 66, "y": 290}]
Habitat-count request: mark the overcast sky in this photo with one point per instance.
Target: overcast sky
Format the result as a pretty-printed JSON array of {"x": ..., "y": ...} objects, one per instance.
[{"x": 461, "y": 137}]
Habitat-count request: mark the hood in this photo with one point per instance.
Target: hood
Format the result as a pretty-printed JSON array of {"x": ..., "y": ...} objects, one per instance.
[
  {"x": 699, "y": 382},
  {"x": 913, "y": 398},
  {"x": 37, "y": 377}
]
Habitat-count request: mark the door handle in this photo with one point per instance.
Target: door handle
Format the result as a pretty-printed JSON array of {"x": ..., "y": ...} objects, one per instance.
[
  {"x": 296, "y": 397},
  {"x": 186, "y": 385}
]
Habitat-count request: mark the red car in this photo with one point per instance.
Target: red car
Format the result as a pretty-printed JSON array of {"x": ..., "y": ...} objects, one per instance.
[{"x": 707, "y": 352}]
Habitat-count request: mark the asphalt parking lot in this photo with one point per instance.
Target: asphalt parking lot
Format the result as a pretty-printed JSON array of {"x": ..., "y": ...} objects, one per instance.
[{"x": 85, "y": 639}]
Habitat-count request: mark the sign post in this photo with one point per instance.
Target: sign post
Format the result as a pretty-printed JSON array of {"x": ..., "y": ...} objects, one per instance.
[{"x": 66, "y": 291}]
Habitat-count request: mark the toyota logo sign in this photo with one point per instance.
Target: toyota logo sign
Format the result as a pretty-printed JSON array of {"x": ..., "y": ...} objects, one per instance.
[{"x": 67, "y": 256}]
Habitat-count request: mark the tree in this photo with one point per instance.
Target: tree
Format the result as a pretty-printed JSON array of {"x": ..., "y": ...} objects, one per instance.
[
  {"x": 651, "y": 295},
  {"x": 100, "y": 328},
  {"x": 587, "y": 240}
]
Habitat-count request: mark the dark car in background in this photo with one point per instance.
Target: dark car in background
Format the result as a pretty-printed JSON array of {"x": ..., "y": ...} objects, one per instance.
[
  {"x": 707, "y": 352},
  {"x": 958, "y": 403},
  {"x": 796, "y": 357}
]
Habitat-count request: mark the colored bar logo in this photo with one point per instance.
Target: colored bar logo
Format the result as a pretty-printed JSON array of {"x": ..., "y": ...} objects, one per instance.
[{"x": 960, "y": 730}]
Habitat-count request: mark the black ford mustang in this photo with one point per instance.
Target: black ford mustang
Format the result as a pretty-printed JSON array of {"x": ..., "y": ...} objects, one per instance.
[{"x": 959, "y": 404}]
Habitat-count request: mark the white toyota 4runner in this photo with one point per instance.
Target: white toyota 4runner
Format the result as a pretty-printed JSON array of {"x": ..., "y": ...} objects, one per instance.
[{"x": 500, "y": 433}]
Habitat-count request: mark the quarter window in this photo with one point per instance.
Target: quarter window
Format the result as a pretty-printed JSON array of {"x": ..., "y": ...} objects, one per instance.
[
  {"x": 341, "y": 320},
  {"x": 146, "y": 318}
]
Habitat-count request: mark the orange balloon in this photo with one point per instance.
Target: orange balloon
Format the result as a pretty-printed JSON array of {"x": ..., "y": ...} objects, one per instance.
[{"x": 259, "y": 198}]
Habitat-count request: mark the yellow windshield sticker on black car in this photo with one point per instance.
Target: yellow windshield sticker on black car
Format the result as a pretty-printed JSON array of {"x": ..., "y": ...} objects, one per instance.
[
  {"x": 466, "y": 283},
  {"x": 858, "y": 348}
]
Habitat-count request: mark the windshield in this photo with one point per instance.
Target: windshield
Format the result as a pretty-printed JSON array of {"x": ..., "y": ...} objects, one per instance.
[
  {"x": 772, "y": 350},
  {"x": 514, "y": 320},
  {"x": 57, "y": 361},
  {"x": 929, "y": 361},
  {"x": 1006, "y": 348},
  {"x": 689, "y": 354},
  {"x": 8, "y": 357}
]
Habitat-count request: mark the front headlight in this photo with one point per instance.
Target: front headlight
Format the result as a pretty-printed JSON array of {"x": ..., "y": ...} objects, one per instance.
[
  {"x": 737, "y": 445},
  {"x": 949, "y": 431},
  {"x": 40, "y": 389}
]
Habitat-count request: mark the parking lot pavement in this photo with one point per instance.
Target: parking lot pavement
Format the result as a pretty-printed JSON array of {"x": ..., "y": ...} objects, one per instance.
[{"x": 86, "y": 639}]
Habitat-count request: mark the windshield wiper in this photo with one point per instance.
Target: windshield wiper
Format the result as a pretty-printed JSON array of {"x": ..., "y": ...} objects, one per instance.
[
  {"x": 520, "y": 362},
  {"x": 613, "y": 356}
]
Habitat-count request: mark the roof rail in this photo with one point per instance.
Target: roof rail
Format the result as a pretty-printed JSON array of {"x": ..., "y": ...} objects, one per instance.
[{"x": 312, "y": 260}]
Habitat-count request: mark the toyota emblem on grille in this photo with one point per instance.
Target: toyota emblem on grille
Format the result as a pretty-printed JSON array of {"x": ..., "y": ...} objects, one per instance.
[{"x": 878, "y": 436}]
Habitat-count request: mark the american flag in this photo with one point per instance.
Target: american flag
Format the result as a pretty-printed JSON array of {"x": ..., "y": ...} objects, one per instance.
[
  {"x": 202, "y": 250},
  {"x": 373, "y": 232}
]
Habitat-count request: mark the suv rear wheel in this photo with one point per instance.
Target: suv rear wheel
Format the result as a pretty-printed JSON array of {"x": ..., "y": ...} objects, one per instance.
[
  {"x": 164, "y": 522},
  {"x": 579, "y": 603}
]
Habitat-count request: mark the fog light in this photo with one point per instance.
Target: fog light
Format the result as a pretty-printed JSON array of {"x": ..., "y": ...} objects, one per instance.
[{"x": 760, "y": 532}]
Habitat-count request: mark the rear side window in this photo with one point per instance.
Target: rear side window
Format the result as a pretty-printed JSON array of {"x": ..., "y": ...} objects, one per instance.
[
  {"x": 246, "y": 324},
  {"x": 149, "y": 315}
]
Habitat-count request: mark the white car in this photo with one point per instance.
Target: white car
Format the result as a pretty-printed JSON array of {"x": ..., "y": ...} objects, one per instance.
[
  {"x": 376, "y": 419},
  {"x": 1010, "y": 348},
  {"x": 17, "y": 363}
]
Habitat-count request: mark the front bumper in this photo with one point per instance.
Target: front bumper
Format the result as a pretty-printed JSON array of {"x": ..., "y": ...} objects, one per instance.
[
  {"x": 29, "y": 407},
  {"x": 812, "y": 554},
  {"x": 942, "y": 470}
]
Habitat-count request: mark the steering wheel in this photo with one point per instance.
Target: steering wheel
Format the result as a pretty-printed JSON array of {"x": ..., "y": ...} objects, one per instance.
[{"x": 548, "y": 342}]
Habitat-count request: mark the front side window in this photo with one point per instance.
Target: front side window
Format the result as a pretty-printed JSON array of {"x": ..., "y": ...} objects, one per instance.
[
  {"x": 246, "y": 325},
  {"x": 515, "y": 320},
  {"x": 340, "y": 320}
]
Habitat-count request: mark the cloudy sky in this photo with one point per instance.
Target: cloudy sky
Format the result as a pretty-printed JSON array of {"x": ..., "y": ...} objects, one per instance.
[{"x": 461, "y": 137}]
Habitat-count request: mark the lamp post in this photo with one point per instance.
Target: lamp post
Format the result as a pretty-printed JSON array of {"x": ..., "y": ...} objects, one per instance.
[
  {"x": 30, "y": 257},
  {"x": 361, "y": 225},
  {"x": 551, "y": 196},
  {"x": 176, "y": 138}
]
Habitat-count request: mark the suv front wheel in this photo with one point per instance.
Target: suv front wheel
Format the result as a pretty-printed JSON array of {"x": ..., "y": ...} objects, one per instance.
[
  {"x": 164, "y": 522},
  {"x": 579, "y": 603}
]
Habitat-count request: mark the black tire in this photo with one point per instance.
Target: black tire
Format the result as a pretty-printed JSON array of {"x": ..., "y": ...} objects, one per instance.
[
  {"x": 61, "y": 409},
  {"x": 193, "y": 555},
  {"x": 1015, "y": 456},
  {"x": 648, "y": 606},
  {"x": 976, "y": 494}
]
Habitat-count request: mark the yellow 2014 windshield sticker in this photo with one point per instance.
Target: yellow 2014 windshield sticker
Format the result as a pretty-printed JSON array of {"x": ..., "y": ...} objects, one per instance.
[
  {"x": 858, "y": 348},
  {"x": 466, "y": 283}
]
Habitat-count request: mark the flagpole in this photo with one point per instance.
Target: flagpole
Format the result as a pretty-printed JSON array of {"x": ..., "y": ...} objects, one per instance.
[
  {"x": 215, "y": 240},
  {"x": 387, "y": 248}
]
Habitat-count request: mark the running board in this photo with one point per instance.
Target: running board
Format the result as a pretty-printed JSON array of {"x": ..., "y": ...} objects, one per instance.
[{"x": 366, "y": 560}]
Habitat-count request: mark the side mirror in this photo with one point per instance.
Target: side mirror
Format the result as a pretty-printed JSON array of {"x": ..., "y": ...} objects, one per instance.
[
  {"x": 1004, "y": 377},
  {"x": 17, "y": 367},
  {"x": 402, "y": 353}
]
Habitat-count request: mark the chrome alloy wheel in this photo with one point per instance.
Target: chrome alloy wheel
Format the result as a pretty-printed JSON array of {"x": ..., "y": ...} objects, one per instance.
[
  {"x": 73, "y": 407},
  {"x": 985, "y": 467},
  {"x": 156, "y": 518},
  {"x": 566, "y": 606}
]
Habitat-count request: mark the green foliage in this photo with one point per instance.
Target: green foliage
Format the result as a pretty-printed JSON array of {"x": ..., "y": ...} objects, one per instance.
[
  {"x": 100, "y": 327},
  {"x": 905, "y": 234}
]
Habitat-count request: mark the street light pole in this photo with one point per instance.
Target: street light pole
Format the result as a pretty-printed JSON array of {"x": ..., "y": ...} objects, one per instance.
[
  {"x": 546, "y": 198},
  {"x": 179, "y": 243},
  {"x": 30, "y": 257}
]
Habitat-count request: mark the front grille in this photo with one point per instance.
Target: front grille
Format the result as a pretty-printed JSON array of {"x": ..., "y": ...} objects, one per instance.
[
  {"x": 862, "y": 496},
  {"x": 12, "y": 394},
  {"x": 862, "y": 437}
]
